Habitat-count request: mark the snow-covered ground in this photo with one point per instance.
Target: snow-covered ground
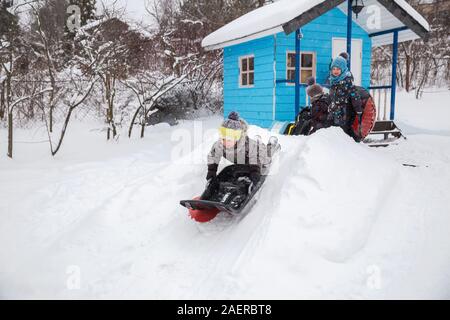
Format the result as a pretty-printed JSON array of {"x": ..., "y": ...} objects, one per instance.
[{"x": 334, "y": 220}]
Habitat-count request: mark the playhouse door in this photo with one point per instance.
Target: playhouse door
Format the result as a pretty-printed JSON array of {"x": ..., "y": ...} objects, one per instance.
[{"x": 340, "y": 45}]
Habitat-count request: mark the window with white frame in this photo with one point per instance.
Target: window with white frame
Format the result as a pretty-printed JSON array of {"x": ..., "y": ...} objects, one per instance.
[
  {"x": 247, "y": 71},
  {"x": 307, "y": 66}
]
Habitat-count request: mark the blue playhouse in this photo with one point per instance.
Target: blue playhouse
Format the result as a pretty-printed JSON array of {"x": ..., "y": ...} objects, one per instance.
[{"x": 270, "y": 52}]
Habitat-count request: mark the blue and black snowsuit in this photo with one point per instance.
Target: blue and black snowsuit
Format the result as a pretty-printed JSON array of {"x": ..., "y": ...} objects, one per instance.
[{"x": 346, "y": 100}]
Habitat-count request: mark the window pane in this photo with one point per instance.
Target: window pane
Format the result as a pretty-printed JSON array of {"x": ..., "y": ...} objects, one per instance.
[
  {"x": 251, "y": 63},
  {"x": 291, "y": 60},
  {"x": 244, "y": 65},
  {"x": 244, "y": 79},
  {"x": 291, "y": 75},
  {"x": 251, "y": 78},
  {"x": 307, "y": 60},
  {"x": 305, "y": 74}
]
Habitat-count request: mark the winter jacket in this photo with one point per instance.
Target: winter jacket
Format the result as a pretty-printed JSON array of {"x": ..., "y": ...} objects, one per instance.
[
  {"x": 346, "y": 102},
  {"x": 319, "y": 108},
  {"x": 246, "y": 151}
]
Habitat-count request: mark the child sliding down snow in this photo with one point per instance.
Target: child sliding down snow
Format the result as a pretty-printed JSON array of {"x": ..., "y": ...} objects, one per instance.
[
  {"x": 235, "y": 145},
  {"x": 346, "y": 101}
]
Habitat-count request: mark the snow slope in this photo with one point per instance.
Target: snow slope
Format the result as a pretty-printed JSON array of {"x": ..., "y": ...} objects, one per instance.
[{"x": 334, "y": 219}]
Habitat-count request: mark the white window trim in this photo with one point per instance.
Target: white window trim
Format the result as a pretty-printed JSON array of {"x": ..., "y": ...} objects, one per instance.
[
  {"x": 314, "y": 67},
  {"x": 240, "y": 71}
]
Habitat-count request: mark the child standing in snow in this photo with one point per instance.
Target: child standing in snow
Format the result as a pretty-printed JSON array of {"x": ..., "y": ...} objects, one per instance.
[
  {"x": 235, "y": 145},
  {"x": 346, "y": 101}
]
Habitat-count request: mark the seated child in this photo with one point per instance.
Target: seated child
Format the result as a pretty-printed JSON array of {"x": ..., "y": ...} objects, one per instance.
[{"x": 320, "y": 103}]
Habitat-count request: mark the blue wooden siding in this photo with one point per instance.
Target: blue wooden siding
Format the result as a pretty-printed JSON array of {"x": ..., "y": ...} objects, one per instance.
[
  {"x": 256, "y": 104},
  {"x": 317, "y": 38}
]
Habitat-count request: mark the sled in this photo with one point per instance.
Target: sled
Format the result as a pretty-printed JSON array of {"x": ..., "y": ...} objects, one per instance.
[
  {"x": 390, "y": 132},
  {"x": 368, "y": 120},
  {"x": 301, "y": 126},
  {"x": 232, "y": 191}
]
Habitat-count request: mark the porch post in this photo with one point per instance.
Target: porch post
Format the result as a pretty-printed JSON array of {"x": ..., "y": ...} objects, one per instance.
[
  {"x": 394, "y": 74},
  {"x": 297, "y": 71},
  {"x": 349, "y": 33}
]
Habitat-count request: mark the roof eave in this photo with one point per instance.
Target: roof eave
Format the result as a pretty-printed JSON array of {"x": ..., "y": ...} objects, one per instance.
[
  {"x": 398, "y": 12},
  {"x": 311, "y": 14},
  {"x": 253, "y": 36}
]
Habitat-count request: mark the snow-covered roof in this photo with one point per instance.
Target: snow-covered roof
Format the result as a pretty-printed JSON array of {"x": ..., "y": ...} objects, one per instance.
[{"x": 287, "y": 15}]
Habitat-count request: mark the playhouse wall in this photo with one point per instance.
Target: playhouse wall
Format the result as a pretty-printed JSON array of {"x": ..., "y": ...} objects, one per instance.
[
  {"x": 254, "y": 104},
  {"x": 317, "y": 37}
]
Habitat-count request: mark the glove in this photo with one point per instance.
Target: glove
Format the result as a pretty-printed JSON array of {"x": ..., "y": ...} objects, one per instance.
[
  {"x": 212, "y": 171},
  {"x": 254, "y": 176},
  {"x": 359, "y": 114},
  {"x": 211, "y": 175},
  {"x": 360, "y": 124}
]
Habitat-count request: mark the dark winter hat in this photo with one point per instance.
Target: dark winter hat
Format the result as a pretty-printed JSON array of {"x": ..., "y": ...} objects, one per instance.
[
  {"x": 233, "y": 121},
  {"x": 310, "y": 81},
  {"x": 313, "y": 89},
  {"x": 344, "y": 55}
]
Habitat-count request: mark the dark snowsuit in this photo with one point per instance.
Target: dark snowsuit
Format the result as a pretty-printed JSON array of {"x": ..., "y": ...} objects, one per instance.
[
  {"x": 319, "y": 112},
  {"x": 346, "y": 104}
]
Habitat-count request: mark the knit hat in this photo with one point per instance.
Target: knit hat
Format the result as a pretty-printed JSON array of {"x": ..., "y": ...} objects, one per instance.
[
  {"x": 341, "y": 63},
  {"x": 344, "y": 55},
  {"x": 233, "y": 121},
  {"x": 314, "y": 89},
  {"x": 232, "y": 128}
]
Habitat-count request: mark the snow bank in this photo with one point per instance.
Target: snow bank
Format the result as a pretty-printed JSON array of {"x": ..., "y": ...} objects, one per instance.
[{"x": 334, "y": 219}]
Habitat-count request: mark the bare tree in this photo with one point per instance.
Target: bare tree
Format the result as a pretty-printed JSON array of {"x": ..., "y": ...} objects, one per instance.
[
  {"x": 104, "y": 53},
  {"x": 420, "y": 63},
  {"x": 14, "y": 65},
  {"x": 76, "y": 92},
  {"x": 148, "y": 88},
  {"x": 50, "y": 62}
]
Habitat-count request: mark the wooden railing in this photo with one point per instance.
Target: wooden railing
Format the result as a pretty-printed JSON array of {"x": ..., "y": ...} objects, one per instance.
[
  {"x": 382, "y": 97},
  {"x": 380, "y": 94}
]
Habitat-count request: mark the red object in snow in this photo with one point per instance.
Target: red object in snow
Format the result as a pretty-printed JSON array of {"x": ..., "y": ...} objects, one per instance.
[
  {"x": 369, "y": 117},
  {"x": 203, "y": 216}
]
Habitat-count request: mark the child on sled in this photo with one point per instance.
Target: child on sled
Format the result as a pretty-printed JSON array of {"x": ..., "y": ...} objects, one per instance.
[{"x": 236, "y": 146}]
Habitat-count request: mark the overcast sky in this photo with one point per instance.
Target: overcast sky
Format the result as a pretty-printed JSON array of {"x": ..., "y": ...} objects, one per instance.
[{"x": 134, "y": 9}]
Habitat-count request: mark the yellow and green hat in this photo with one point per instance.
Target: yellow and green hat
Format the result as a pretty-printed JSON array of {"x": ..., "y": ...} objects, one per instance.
[{"x": 232, "y": 127}]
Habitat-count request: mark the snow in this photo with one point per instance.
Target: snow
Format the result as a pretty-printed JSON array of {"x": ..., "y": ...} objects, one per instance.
[
  {"x": 258, "y": 23},
  {"x": 334, "y": 219},
  {"x": 413, "y": 13},
  {"x": 270, "y": 18}
]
